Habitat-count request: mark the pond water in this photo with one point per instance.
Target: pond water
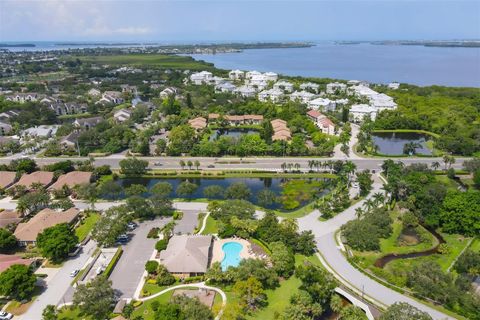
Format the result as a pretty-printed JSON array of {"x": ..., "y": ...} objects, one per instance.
[
  {"x": 254, "y": 184},
  {"x": 392, "y": 143},
  {"x": 234, "y": 133}
]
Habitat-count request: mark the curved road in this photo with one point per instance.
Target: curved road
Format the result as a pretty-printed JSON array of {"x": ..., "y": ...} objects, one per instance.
[{"x": 324, "y": 232}]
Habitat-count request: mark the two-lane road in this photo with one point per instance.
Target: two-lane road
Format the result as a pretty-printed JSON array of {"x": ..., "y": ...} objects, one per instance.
[{"x": 324, "y": 232}]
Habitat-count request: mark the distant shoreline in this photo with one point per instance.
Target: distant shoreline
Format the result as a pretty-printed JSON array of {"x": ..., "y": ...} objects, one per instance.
[
  {"x": 445, "y": 44},
  {"x": 19, "y": 45}
]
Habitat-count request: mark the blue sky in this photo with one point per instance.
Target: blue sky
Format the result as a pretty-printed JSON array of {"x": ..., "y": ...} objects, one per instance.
[{"x": 240, "y": 20}]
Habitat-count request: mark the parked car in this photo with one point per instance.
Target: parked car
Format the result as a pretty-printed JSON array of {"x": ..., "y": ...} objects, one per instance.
[
  {"x": 210, "y": 166},
  {"x": 100, "y": 269},
  {"x": 131, "y": 225},
  {"x": 157, "y": 164},
  {"x": 74, "y": 273},
  {"x": 123, "y": 238},
  {"x": 5, "y": 315}
]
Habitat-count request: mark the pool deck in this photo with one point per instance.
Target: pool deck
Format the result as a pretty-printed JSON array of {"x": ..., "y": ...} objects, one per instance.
[{"x": 218, "y": 254}]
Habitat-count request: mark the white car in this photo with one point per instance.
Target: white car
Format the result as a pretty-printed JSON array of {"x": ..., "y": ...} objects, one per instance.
[
  {"x": 74, "y": 273},
  {"x": 5, "y": 315}
]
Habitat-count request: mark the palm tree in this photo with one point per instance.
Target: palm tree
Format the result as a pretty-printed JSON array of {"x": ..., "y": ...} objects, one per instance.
[
  {"x": 197, "y": 164},
  {"x": 349, "y": 168},
  {"x": 379, "y": 198},
  {"x": 297, "y": 166},
  {"x": 368, "y": 204},
  {"x": 435, "y": 165},
  {"x": 311, "y": 164},
  {"x": 283, "y": 166},
  {"x": 189, "y": 164},
  {"x": 182, "y": 164},
  {"x": 359, "y": 212}
]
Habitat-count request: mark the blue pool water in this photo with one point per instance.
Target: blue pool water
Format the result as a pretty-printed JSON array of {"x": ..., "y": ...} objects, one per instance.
[{"x": 232, "y": 254}]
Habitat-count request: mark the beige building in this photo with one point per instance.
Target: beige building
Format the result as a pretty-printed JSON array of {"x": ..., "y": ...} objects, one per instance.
[{"x": 187, "y": 255}]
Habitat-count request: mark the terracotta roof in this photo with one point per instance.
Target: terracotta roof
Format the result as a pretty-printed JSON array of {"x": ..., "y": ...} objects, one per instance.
[
  {"x": 71, "y": 179},
  {"x": 43, "y": 177},
  {"x": 278, "y": 121},
  {"x": 253, "y": 117},
  {"x": 314, "y": 113},
  {"x": 46, "y": 218},
  {"x": 326, "y": 122},
  {"x": 281, "y": 136},
  {"x": 8, "y": 260},
  {"x": 213, "y": 116},
  {"x": 9, "y": 217},
  {"x": 198, "y": 123},
  {"x": 235, "y": 118},
  {"x": 7, "y": 178}
]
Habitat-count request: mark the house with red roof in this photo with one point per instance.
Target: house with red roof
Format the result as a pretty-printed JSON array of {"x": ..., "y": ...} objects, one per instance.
[{"x": 322, "y": 122}]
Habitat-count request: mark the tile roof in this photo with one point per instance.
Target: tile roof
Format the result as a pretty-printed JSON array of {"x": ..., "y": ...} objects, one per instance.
[
  {"x": 187, "y": 254},
  {"x": 43, "y": 177},
  {"x": 46, "y": 218},
  {"x": 7, "y": 178},
  {"x": 8, "y": 217},
  {"x": 7, "y": 260},
  {"x": 71, "y": 179}
]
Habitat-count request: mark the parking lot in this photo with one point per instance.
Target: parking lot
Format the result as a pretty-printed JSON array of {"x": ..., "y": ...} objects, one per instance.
[{"x": 129, "y": 269}]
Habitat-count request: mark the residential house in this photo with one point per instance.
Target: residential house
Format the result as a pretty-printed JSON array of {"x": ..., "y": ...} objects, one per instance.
[
  {"x": 235, "y": 120},
  {"x": 9, "y": 114},
  {"x": 167, "y": 92},
  {"x": 44, "y": 131},
  {"x": 187, "y": 255},
  {"x": 7, "y": 178},
  {"x": 250, "y": 74},
  {"x": 8, "y": 260},
  {"x": 310, "y": 86},
  {"x": 22, "y": 97},
  {"x": 236, "y": 75},
  {"x": 270, "y": 76},
  {"x": 114, "y": 97},
  {"x": 280, "y": 130},
  {"x": 87, "y": 123},
  {"x": 360, "y": 111},
  {"x": 126, "y": 88},
  {"x": 70, "y": 140},
  {"x": 302, "y": 96},
  {"x": 44, "y": 178},
  {"x": 198, "y": 123},
  {"x": 246, "y": 91},
  {"x": 225, "y": 87},
  {"x": 381, "y": 101},
  {"x": 203, "y": 77},
  {"x": 61, "y": 108},
  {"x": 335, "y": 87},
  {"x": 322, "y": 104},
  {"x": 5, "y": 128},
  {"x": 257, "y": 81},
  {"x": 122, "y": 115},
  {"x": 27, "y": 232},
  {"x": 341, "y": 102},
  {"x": 274, "y": 95},
  {"x": 71, "y": 179},
  {"x": 322, "y": 122},
  {"x": 9, "y": 218},
  {"x": 283, "y": 85}
]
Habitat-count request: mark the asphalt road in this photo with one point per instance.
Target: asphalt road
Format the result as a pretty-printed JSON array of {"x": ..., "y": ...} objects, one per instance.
[
  {"x": 252, "y": 163},
  {"x": 58, "y": 285},
  {"x": 324, "y": 232}
]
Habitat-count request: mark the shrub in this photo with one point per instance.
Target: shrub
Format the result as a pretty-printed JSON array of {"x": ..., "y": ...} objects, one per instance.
[
  {"x": 151, "y": 266},
  {"x": 193, "y": 279},
  {"x": 177, "y": 215},
  {"x": 153, "y": 233},
  {"x": 161, "y": 245},
  {"x": 155, "y": 305},
  {"x": 164, "y": 278}
]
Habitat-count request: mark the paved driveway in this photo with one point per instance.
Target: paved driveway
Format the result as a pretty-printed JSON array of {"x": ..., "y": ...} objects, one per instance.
[
  {"x": 324, "y": 232},
  {"x": 129, "y": 270}
]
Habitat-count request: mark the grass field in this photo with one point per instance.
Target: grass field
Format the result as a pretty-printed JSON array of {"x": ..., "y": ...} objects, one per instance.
[
  {"x": 162, "y": 61},
  {"x": 211, "y": 226},
  {"x": 84, "y": 229}
]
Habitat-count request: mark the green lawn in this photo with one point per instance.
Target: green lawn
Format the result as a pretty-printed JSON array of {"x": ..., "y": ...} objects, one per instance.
[
  {"x": 152, "y": 60},
  {"x": 84, "y": 229},
  {"x": 211, "y": 226},
  {"x": 449, "y": 183},
  {"x": 475, "y": 246},
  {"x": 71, "y": 314}
]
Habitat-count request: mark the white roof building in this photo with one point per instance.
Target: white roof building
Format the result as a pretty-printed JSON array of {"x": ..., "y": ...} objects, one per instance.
[
  {"x": 236, "y": 74},
  {"x": 341, "y": 102},
  {"x": 271, "y": 76},
  {"x": 394, "y": 85},
  {"x": 302, "y": 96},
  {"x": 333, "y": 87},
  {"x": 168, "y": 92},
  {"x": 201, "y": 77},
  {"x": 122, "y": 115},
  {"x": 283, "y": 85},
  {"x": 225, "y": 87},
  {"x": 251, "y": 74},
  {"x": 360, "y": 111},
  {"x": 310, "y": 86},
  {"x": 246, "y": 91},
  {"x": 382, "y": 101},
  {"x": 41, "y": 131},
  {"x": 323, "y": 104},
  {"x": 273, "y": 95}
]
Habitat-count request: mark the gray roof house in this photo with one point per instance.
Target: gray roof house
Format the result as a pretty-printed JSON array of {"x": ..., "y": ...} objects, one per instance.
[{"x": 187, "y": 255}]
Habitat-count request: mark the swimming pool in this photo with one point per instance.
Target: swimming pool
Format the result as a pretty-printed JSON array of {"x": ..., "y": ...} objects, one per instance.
[{"x": 232, "y": 251}]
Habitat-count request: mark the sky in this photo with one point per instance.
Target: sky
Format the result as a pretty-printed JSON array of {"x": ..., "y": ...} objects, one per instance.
[{"x": 237, "y": 20}]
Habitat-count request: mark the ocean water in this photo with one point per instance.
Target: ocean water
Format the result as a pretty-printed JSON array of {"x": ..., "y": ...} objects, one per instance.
[{"x": 459, "y": 67}]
